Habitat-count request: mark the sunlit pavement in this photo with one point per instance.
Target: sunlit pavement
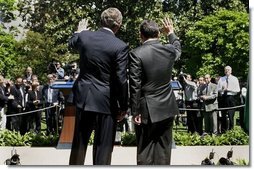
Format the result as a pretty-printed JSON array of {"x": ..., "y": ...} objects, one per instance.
[{"x": 181, "y": 155}]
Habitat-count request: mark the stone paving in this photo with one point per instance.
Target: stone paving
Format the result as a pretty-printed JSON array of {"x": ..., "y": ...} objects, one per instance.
[{"x": 181, "y": 155}]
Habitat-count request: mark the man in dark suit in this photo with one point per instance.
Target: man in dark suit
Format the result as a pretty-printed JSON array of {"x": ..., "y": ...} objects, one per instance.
[
  {"x": 35, "y": 102},
  {"x": 17, "y": 105},
  {"x": 100, "y": 91},
  {"x": 4, "y": 97},
  {"x": 51, "y": 97},
  {"x": 153, "y": 102}
]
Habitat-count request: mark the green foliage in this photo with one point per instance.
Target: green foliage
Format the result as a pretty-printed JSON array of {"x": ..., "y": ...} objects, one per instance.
[
  {"x": 233, "y": 137},
  {"x": 42, "y": 139},
  {"x": 241, "y": 162},
  {"x": 91, "y": 138},
  {"x": 7, "y": 7},
  {"x": 36, "y": 51},
  {"x": 61, "y": 22},
  {"x": 13, "y": 138},
  {"x": 219, "y": 40},
  {"x": 128, "y": 139},
  {"x": 186, "y": 14},
  {"x": 7, "y": 54}
]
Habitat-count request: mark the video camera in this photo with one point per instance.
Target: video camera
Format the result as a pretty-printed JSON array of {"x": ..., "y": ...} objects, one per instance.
[
  {"x": 52, "y": 67},
  {"x": 71, "y": 69}
]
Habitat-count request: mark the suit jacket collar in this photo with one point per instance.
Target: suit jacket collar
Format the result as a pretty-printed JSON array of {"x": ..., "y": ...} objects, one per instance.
[
  {"x": 107, "y": 31},
  {"x": 152, "y": 41}
]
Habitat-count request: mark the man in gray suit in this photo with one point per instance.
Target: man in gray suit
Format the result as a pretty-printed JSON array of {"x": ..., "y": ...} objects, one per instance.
[
  {"x": 153, "y": 103},
  {"x": 101, "y": 90},
  {"x": 210, "y": 104}
]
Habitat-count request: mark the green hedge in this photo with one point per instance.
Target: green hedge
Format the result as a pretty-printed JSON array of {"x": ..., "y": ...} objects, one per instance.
[
  {"x": 13, "y": 138},
  {"x": 233, "y": 137}
]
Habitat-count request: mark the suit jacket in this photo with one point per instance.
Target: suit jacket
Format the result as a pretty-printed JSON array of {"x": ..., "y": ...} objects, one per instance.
[
  {"x": 57, "y": 95},
  {"x": 3, "y": 97},
  {"x": 102, "y": 82},
  {"x": 211, "y": 103},
  {"x": 150, "y": 74},
  {"x": 32, "y": 97},
  {"x": 12, "y": 105}
]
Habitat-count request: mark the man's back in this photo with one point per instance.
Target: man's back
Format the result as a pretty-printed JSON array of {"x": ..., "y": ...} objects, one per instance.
[
  {"x": 156, "y": 61},
  {"x": 103, "y": 61}
]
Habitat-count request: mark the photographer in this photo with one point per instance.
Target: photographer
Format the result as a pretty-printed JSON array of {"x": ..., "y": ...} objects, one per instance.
[
  {"x": 55, "y": 68},
  {"x": 72, "y": 70},
  {"x": 190, "y": 89}
]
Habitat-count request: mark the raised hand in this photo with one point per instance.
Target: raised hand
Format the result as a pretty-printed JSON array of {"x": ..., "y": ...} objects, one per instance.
[
  {"x": 167, "y": 26},
  {"x": 83, "y": 25}
]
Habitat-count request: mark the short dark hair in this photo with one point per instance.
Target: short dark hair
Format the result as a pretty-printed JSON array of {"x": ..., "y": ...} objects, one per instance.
[{"x": 149, "y": 29}]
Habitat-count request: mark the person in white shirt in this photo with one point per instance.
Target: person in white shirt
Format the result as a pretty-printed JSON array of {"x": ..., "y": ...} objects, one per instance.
[
  {"x": 228, "y": 87},
  {"x": 190, "y": 91}
]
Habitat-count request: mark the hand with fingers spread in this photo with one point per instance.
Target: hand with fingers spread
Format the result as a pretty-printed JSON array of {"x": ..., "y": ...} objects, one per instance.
[
  {"x": 167, "y": 26},
  {"x": 83, "y": 25}
]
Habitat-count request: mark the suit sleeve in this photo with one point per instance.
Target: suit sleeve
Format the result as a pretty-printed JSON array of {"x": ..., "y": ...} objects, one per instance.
[
  {"x": 174, "y": 40},
  {"x": 73, "y": 41},
  {"x": 214, "y": 93},
  {"x": 121, "y": 74},
  {"x": 135, "y": 83}
]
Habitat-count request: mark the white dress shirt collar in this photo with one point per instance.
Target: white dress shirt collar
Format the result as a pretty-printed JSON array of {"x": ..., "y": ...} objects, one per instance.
[{"x": 108, "y": 29}]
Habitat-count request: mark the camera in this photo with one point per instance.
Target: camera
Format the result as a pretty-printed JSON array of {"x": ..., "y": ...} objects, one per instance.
[
  {"x": 71, "y": 69},
  {"x": 52, "y": 67}
]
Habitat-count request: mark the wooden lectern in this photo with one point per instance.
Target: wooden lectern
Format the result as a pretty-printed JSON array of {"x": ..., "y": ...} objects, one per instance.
[{"x": 67, "y": 132}]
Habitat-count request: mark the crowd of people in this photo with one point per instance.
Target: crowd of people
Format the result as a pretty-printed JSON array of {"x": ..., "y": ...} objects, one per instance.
[
  {"x": 211, "y": 102},
  {"x": 22, "y": 103},
  {"x": 23, "y": 100}
]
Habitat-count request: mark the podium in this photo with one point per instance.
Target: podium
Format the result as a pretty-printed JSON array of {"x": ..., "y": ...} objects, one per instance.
[{"x": 67, "y": 132}]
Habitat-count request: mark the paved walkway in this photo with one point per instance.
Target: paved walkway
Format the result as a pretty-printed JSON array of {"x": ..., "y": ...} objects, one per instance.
[{"x": 181, "y": 155}]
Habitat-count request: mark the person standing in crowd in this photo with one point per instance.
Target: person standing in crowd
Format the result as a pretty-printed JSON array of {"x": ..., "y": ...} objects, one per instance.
[
  {"x": 210, "y": 105},
  {"x": 3, "y": 101},
  {"x": 17, "y": 105},
  {"x": 59, "y": 71},
  {"x": 153, "y": 103},
  {"x": 51, "y": 97},
  {"x": 190, "y": 90},
  {"x": 228, "y": 87},
  {"x": 200, "y": 87},
  {"x": 35, "y": 102},
  {"x": 28, "y": 74},
  {"x": 100, "y": 91}
]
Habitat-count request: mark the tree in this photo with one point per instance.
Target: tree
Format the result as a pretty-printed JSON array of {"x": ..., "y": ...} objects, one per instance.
[
  {"x": 188, "y": 12},
  {"x": 61, "y": 22},
  {"x": 218, "y": 40},
  {"x": 36, "y": 51},
  {"x": 6, "y": 10},
  {"x": 7, "y": 54}
]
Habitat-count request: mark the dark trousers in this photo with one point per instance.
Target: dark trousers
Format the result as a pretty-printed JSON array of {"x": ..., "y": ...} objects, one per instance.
[
  {"x": 37, "y": 120},
  {"x": 13, "y": 123},
  {"x": 104, "y": 126},
  {"x": 192, "y": 119},
  {"x": 154, "y": 142},
  {"x": 227, "y": 120},
  {"x": 51, "y": 119}
]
